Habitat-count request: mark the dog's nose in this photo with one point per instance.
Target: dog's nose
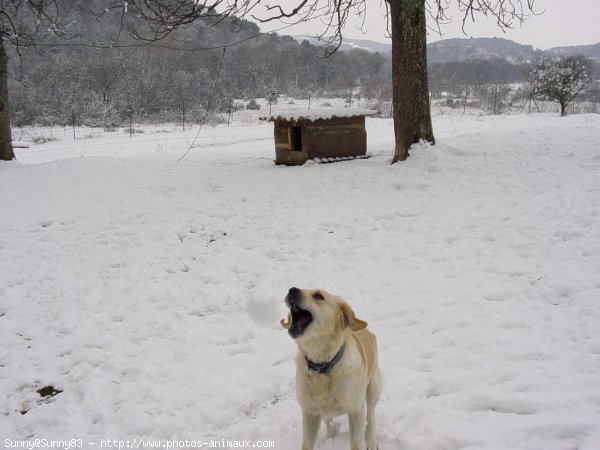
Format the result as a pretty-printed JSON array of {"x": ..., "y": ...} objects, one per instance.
[
  {"x": 293, "y": 291},
  {"x": 294, "y": 295}
]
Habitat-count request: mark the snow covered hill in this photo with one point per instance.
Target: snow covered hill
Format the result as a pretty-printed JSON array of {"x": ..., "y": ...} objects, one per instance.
[
  {"x": 466, "y": 49},
  {"x": 350, "y": 43},
  {"x": 148, "y": 291}
]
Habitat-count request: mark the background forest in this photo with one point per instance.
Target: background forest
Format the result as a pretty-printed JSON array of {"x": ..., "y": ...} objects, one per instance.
[{"x": 85, "y": 80}]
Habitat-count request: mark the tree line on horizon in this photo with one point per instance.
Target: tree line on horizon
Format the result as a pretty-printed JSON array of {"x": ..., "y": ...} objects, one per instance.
[{"x": 61, "y": 82}]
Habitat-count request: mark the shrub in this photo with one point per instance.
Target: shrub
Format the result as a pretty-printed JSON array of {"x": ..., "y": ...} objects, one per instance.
[{"x": 252, "y": 105}]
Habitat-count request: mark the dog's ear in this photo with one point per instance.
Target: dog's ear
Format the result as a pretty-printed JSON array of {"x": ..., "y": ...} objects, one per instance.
[
  {"x": 286, "y": 323},
  {"x": 349, "y": 319}
]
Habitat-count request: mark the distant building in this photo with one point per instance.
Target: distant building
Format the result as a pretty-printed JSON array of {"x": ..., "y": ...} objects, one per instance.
[{"x": 319, "y": 133}]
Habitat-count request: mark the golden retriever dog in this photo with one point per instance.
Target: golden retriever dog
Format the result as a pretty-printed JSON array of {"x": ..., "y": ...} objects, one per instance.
[{"x": 336, "y": 367}]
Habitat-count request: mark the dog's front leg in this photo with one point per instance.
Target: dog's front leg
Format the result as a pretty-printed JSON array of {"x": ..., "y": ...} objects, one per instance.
[
  {"x": 310, "y": 428},
  {"x": 357, "y": 422}
]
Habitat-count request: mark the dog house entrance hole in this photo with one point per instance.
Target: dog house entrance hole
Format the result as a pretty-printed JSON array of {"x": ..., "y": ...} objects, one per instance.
[{"x": 296, "y": 139}]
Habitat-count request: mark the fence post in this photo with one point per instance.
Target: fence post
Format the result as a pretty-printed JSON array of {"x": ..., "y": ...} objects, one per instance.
[
  {"x": 73, "y": 120},
  {"x": 130, "y": 122},
  {"x": 308, "y": 101},
  {"x": 229, "y": 110},
  {"x": 183, "y": 114},
  {"x": 495, "y": 99}
]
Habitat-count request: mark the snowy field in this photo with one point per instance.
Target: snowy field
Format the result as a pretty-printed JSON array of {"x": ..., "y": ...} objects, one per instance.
[{"x": 149, "y": 291}]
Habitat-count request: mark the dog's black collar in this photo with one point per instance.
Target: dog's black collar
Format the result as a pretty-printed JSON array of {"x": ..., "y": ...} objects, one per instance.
[{"x": 326, "y": 368}]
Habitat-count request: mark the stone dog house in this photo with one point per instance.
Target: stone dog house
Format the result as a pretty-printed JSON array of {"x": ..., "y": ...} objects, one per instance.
[{"x": 327, "y": 134}]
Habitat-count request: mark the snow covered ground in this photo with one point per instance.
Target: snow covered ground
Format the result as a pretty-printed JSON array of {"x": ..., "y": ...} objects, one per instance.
[{"x": 149, "y": 291}]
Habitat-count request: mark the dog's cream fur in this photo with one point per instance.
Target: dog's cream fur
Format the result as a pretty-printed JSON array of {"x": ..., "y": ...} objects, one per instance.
[{"x": 354, "y": 382}]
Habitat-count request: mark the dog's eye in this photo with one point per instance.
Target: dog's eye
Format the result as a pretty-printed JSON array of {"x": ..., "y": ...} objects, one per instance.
[{"x": 318, "y": 296}]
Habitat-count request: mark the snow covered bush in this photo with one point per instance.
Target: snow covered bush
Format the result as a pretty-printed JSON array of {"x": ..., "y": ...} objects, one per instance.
[
  {"x": 560, "y": 80},
  {"x": 252, "y": 105}
]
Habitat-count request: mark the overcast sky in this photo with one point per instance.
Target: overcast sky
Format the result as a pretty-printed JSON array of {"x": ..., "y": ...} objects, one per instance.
[{"x": 561, "y": 22}]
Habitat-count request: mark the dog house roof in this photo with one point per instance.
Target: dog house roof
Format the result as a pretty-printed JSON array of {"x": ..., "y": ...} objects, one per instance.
[{"x": 319, "y": 114}]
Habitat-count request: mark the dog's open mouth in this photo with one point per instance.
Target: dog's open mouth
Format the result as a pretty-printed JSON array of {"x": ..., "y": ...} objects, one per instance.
[{"x": 301, "y": 319}]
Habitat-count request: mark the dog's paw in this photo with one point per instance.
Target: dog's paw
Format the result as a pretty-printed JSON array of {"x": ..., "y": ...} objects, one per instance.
[{"x": 371, "y": 443}]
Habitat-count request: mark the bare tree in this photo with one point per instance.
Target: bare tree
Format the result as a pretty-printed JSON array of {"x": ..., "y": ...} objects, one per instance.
[
  {"x": 21, "y": 23},
  {"x": 560, "y": 81},
  {"x": 493, "y": 97},
  {"x": 6, "y": 149},
  {"x": 154, "y": 20}
]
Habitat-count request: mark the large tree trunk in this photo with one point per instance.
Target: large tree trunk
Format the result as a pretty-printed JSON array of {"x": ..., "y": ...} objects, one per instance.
[
  {"x": 6, "y": 149},
  {"x": 563, "y": 108},
  {"x": 412, "y": 115}
]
